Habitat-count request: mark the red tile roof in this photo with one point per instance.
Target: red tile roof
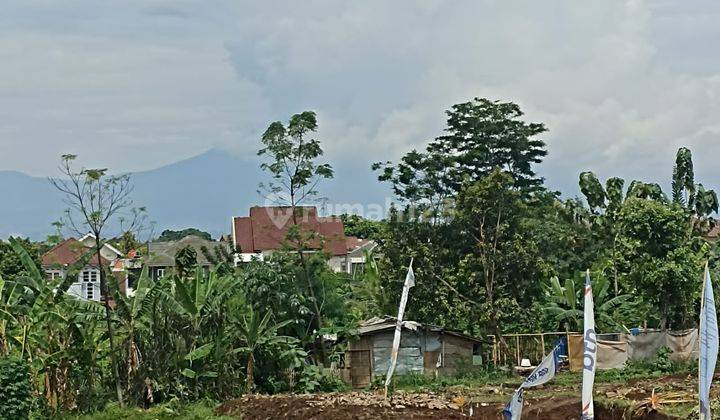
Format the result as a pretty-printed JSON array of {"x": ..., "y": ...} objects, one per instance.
[
  {"x": 266, "y": 229},
  {"x": 68, "y": 252}
]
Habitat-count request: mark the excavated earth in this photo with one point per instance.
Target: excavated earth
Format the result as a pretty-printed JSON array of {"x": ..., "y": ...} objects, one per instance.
[{"x": 357, "y": 405}]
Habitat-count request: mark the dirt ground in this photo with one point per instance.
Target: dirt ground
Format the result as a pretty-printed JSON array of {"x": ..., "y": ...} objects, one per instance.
[{"x": 358, "y": 406}]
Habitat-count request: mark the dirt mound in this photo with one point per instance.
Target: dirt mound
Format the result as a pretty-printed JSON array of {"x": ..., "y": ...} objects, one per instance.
[
  {"x": 568, "y": 409},
  {"x": 352, "y": 406},
  {"x": 340, "y": 406}
]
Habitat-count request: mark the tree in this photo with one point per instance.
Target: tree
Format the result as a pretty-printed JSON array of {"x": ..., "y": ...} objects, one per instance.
[
  {"x": 481, "y": 135},
  {"x": 296, "y": 173},
  {"x": 593, "y": 190},
  {"x": 658, "y": 259},
  {"x": 683, "y": 179},
  {"x": 563, "y": 303},
  {"x": 175, "y": 235},
  {"x": 292, "y": 162},
  {"x": 361, "y": 227},
  {"x": 95, "y": 200},
  {"x": 501, "y": 262},
  {"x": 11, "y": 265},
  {"x": 256, "y": 330}
]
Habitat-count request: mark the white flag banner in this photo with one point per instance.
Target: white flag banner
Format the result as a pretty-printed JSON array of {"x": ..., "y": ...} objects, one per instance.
[
  {"x": 708, "y": 345},
  {"x": 545, "y": 371},
  {"x": 542, "y": 374},
  {"x": 409, "y": 282},
  {"x": 513, "y": 409},
  {"x": 589, "y": 353}
]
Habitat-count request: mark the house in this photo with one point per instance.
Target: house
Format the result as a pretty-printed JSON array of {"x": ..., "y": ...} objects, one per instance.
[
  {"x": 161, "y": 255},
  {"x": 357, "y": 251},
  {"x": 424, "y": 349},
  {"x": 265, "y": 231},
  {"x": 59, "y": 260}
]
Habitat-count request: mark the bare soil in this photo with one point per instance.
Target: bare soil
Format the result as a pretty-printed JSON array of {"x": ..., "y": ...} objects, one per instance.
[{"x": 363, "y": 406}]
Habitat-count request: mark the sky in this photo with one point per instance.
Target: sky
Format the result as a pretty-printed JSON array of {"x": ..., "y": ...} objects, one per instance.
[{"x": 135, "y": 85}]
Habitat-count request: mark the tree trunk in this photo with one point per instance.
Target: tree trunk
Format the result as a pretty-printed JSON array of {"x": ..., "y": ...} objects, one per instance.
[
  {"x": 249, "y": 373},
  {"x": 319, "y": 345},
  {"x": 106, "y": 297}
]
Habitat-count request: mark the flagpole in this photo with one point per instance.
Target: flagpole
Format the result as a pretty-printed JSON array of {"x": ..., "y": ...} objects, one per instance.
[
  {"x": 701, "y": 414},
  {"x": 409, "y": 282},
  {"x": 589, "y": 351}
]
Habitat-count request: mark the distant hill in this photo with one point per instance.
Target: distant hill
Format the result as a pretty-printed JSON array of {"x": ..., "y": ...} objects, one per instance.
[{"x": 202, "y": 192}]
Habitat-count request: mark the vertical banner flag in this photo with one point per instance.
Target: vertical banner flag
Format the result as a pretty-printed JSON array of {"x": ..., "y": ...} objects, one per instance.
[
  {"x": 708, "y": 345},
  {"x": 542, "y": 374},
  {"x": 589, "y": 353},
  {"x": 409, "y": 282}
]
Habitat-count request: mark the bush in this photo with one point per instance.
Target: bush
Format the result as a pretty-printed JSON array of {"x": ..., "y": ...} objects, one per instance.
[
  {"x": 15, "y": 389},
  {"x": 316, "y": 379}
]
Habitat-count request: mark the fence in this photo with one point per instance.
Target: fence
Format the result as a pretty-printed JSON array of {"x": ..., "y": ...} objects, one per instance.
[
  {"x": 516, "y": 347},
  {"x": 613, "y": 349}
]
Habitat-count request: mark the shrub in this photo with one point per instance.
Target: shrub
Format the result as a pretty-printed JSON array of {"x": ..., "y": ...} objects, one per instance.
[
  {"x": 15, "y": 389},
  {"x": 316, "y": 379}
]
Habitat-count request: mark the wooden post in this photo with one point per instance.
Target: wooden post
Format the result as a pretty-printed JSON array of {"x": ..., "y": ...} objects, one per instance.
[
  {"x": 517, "y": 349},
  {"x": 542, "y": 343}
]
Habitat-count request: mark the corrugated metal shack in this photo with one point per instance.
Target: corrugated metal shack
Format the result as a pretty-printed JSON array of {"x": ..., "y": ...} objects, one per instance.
[{"x": 426, "y": 349}]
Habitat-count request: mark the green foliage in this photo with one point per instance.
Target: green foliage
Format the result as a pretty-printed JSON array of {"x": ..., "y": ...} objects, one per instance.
[
  {"x": 481, "y": 135},
  {"x": 201, "y": 410},
  {"x": 185, "y": 260},
  {"x": 658, "y": 260},
  {"x": 317, "y": 379},
  {"x": 593, "y": 190},
  {"x": 564, "y": 305},
  {"x": 292, "y": 159},
  {"x": 15, "y": 389},
  {"x": 175, "y": 235},
  {"x": 11, "y": 266},
  {"x": 683, "y": 179},
  {"x": 361, "y": 227}
]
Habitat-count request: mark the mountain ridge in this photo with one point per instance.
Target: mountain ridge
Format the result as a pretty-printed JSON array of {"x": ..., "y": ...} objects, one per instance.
[{"x": 203, "y": 191}]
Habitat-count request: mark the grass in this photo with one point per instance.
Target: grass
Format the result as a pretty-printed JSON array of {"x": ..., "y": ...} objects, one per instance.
[{"x": 174, "y": 410}]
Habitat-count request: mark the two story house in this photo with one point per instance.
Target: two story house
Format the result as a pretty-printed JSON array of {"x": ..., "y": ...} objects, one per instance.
[
  {"x": 265, "y": 231},
  {"x": 57, "y": 262}
]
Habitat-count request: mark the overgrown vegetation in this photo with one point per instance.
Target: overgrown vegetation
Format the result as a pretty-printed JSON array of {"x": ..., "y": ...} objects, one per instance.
[
  {"x": 15, "y": 389},
  {"x": 494, "y": 252}
]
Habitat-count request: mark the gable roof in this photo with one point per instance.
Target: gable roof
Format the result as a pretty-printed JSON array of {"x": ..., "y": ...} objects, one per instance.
[
  {"x": 387, "y": 323},
  {"x": 106, "y": 245},
  {"x": 266, "y": 229},
  {"x": 162, "y": 254},
  {"x": 68, "y": 252}
]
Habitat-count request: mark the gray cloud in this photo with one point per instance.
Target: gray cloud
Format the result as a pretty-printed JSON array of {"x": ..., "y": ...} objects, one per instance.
[{"x": 620, "y": 84}]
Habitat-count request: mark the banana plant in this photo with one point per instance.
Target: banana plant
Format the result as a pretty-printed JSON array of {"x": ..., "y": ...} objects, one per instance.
[
  {"x": 563, "y": 303},
  {"x": 254, "y": 331},
  {"x": 47, "y": 327}
]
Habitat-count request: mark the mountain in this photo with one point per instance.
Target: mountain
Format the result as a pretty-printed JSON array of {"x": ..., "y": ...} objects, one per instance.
[{"x": 202, "y": 192}]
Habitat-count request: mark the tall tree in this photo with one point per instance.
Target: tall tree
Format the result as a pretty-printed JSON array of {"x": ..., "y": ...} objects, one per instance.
[
  {"x": 501, "y": 263},
  {"x": 683, "y": 179},
  {"x": 293, "y": 160},
  {"x": 658, "y": 260},
  {"x": 293, "y": 165},
  {"x": 593, "y": 190},
  {"x": 481, "y": 135},
  {"x": 95, "y": 201}
]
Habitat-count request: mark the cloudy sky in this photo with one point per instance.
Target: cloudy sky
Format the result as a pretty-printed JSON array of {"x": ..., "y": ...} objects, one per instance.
[{"x": 134, "y": 85}]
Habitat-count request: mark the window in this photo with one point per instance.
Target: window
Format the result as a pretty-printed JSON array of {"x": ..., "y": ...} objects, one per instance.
[
  {"x": 159, "y": 273},
  {"x": 54, "y": 275},
  {"x": 89, "y": 280}
]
